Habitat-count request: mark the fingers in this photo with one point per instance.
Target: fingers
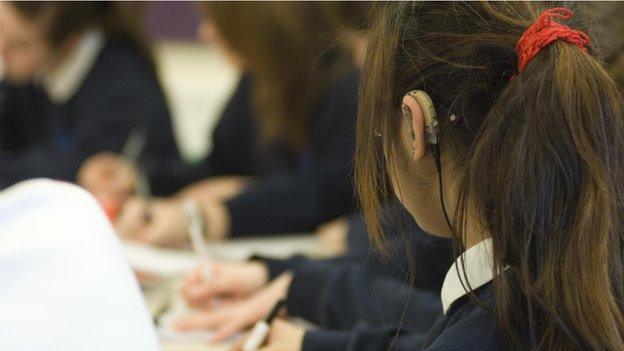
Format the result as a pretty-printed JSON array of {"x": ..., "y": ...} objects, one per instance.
[
  {"x": 201, "y": 293},
  {"x": 198, "y": 295},
  {"x": 131, "y": 221},
  {"x": 201, "y": 321},
  {"x": 224, "y": 322},
  {"x": 270, "y": 348},
  {"x": 228, "y": 330},
  {"x": 238, "y": 346},
  {"x": 107, "y": 175}
]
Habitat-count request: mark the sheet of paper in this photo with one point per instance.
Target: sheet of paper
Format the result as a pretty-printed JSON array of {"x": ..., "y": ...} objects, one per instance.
[
  {"x": 164, "y": 263},
  {"x": 169, "y": 263}
]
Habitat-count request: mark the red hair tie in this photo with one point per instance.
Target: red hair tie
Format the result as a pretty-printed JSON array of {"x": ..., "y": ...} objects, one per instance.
[{"x": 544, "y": 31}]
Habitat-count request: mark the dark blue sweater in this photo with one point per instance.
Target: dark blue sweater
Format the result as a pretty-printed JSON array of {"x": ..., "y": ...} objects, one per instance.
[
  {"x": 294, "y": 190},
  {"x": 119, "y": 94},
  {"x": 364, "y": 299},
  {"x": 465, "y": 327}
]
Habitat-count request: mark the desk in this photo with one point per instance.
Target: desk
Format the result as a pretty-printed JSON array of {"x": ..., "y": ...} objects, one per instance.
[
  {"x": 159, "y": 296},
  {"x": 195, "y": 347}
]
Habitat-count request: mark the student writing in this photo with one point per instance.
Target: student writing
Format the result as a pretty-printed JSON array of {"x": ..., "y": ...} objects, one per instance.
[{"x": 78, "y": 79}]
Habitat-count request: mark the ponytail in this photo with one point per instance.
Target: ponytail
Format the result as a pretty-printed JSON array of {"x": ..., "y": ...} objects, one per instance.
[{"x": 553, "y": 147}]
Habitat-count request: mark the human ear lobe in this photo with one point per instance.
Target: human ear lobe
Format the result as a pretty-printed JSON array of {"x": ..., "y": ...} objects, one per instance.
[{"x": 413, "y": 114}]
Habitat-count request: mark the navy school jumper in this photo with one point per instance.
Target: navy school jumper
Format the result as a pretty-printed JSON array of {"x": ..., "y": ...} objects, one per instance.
[
  {"x": 293, "y": 190},
  {"x": 121, "y": 93}
]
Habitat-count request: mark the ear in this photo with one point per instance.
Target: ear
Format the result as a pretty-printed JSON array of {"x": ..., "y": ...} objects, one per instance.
[{"x": 415, "y": 115}]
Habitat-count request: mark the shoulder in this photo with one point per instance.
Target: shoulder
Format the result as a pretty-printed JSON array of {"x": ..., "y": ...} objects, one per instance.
[
  {"x": 466, "y": 327},
  {"x": 338, "y": 106},
  {"x": 54, "y": 205},
  {"x": 121, "y": 65},
  {"x": 63, "y": 273},
  {"x": 117, "y": 53},
  {"x": 121, "y": 76},
  {"x": 344, "y": 87},
  {"x": 41, "y": 191}
]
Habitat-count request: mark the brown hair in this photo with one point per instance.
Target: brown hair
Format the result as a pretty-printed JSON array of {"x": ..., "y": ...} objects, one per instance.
[
  {"x": 64, "y": 19},
  {"x": 288, "y": 49},
  {"x": 539, "y": 158}
]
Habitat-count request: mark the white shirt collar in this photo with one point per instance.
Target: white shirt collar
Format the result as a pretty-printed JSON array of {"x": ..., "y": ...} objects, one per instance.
[
  {"x": 63, "y": 83},
  {"x": 479, "y": 270}
]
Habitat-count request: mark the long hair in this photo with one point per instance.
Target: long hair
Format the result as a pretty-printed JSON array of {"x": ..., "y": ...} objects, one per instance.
[
  {"x": 538, "y": 157},
  {"x": 289, "y": 49}
]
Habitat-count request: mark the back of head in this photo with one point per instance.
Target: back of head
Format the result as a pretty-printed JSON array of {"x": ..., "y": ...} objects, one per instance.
[
  {"x": 288, "y": 49},
  {"x": 537, "y": 152}
]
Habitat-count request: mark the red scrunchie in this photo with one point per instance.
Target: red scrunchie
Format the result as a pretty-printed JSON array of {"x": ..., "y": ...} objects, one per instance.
[{"x": 544, "y": 31}]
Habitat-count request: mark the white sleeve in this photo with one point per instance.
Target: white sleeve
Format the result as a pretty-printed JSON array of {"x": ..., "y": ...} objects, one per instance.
[{"x": 64, "y": 283}]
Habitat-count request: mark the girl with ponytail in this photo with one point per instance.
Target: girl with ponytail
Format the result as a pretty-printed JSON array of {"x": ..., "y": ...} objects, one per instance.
[
  {"x": 531, "y": 148},
  {"x": 495, "y": 124}
]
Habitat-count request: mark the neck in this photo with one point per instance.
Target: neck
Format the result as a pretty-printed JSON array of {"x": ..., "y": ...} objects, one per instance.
[
  {"x": 60, "y": 53},
  {"x": 475, "y": 232}
]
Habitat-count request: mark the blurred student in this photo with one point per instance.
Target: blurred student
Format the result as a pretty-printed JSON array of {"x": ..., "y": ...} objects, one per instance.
[
  {"x": 65, "y": 282},
  {"x": 523, "y": 171},
  {"x": 78, "y": 80},
  {"x": 609, "y": 31},
  {"x": 282, "y": 148}
]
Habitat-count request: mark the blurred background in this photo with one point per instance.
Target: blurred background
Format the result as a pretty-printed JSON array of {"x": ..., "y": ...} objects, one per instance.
[{"x": 183, "y": 62}]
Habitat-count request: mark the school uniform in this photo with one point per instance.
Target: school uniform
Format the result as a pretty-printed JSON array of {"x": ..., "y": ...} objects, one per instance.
[
  {"x": 461, "y": 326},
  {"x": 464, "y": 325},
  {"x": 64, "y": 281},
  {"x": 103, "y": 90},
  {"x": 362, "y": 298},
  {"x": 432, "y": 255},
  {"x": 293, "y": 190}
]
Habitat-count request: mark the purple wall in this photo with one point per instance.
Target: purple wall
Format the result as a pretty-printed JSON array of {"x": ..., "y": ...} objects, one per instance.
[{"x": 172, "y": 20}]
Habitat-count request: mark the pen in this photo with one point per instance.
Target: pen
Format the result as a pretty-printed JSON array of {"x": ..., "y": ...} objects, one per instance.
[
  {"x": 132, "y": 150},
  {"x": 134, "y": 146},
  {"x": 196, "y": 232},
  {"x": 260, "y": 331}
]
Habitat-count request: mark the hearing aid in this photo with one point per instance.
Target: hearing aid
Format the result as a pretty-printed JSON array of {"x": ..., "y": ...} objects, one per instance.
[
  {"x": 432, "y": 131},
  {"x": 429, "y": 115}
]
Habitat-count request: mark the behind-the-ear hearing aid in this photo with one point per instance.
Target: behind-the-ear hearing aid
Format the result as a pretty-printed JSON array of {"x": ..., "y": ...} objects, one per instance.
[
  {"x": 429, "y": 115},
  {"x": 432, "y": 131}
]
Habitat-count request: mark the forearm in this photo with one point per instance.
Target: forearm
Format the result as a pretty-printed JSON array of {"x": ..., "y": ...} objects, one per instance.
[
  {"x": 362, "y": 339},
  {"x": 341, "y": 297}
]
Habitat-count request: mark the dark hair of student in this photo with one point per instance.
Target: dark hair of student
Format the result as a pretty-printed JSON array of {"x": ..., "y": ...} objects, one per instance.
[
  {"x": 288, "y": 49},
  {"x": 64, "y": 19},
  {"x": 538, "y": 156}
]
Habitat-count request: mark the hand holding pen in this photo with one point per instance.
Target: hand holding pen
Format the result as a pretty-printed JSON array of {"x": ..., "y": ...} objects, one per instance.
[
  {"x": 281, "y": 335},
  {"x": 113, "y": 178}
]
